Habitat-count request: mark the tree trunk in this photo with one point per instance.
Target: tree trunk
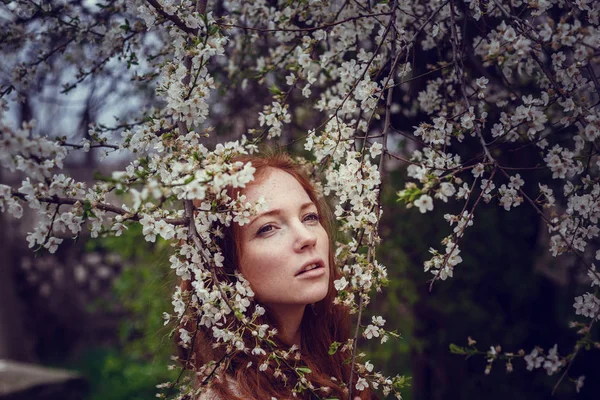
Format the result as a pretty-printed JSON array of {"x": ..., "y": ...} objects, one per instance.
[{"x": 15, "y": 343}]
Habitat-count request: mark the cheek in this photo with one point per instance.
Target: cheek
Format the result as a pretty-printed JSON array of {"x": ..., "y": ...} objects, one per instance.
[
  {"x": 324, "y": 241},
  {"x": 259, "y": 267}
]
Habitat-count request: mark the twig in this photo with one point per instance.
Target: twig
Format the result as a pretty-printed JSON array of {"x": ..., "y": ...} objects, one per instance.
[
  {"x": 458, "y": 64},
  {"x": 569, "y": 365},
  {"x": 173, "y": 18},
  {"x": 548, "y": 222},
  {"x": 354, "y": 345},
  {"x": 92, "y": 146},
  {"x": 460, "y": 234},
  {"x": 94, "y": 204},
  {"x": 308, "y": 29}
]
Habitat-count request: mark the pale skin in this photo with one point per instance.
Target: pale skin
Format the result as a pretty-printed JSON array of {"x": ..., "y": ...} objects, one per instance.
[{"x": 280, "y": 246}]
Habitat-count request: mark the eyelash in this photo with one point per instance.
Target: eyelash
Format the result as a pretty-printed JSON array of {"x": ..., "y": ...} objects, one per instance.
[
  {"x": 314, "y": 217},
  {"x": 264, "y": 230},
  {"x": 308, "y": 217}
]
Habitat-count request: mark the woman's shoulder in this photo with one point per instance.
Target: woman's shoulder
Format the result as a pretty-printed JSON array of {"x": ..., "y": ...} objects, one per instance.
[{"x": 209, "y": 393}]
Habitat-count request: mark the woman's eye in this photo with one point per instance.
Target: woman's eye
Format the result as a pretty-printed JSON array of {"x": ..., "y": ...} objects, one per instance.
[
  {"x": 312, "y": 217},
  {"x": 265, "y": 229}
]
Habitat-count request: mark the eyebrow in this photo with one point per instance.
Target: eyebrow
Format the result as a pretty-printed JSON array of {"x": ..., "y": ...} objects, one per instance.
[{"x": 277, "y": 211}]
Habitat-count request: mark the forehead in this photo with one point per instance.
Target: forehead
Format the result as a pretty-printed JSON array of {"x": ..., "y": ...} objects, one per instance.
[{"x": 277, "y": 187}]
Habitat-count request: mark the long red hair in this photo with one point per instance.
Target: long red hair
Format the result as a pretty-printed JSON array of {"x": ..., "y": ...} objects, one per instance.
[{"x": 323, "y": 323}]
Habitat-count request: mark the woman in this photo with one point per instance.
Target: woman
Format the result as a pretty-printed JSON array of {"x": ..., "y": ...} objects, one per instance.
[{"x": 286, "y": 255}]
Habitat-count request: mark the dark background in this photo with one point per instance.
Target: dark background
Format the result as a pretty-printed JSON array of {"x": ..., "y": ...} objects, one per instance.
[{"x": 95, "y": 306}]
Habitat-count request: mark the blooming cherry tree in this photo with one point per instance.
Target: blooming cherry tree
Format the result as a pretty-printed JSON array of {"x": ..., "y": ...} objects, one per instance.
[{"x": 341, "y": 78}]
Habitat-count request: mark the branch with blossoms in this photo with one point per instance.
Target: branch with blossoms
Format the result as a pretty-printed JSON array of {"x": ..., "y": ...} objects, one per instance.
[
  {"x": 103, "y": 32},
  {"x": 337, "y": 79},
  {"x": 557, "y": 56},
  {"x": 552, "y": 362}
]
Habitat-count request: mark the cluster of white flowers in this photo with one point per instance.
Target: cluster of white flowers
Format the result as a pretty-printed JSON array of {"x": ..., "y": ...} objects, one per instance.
[
  {"x": 552, "y": 362},
  {"x": 587, "y": 305},
  {"x": 558, "y": 53},
  {"x": 557, "y": 122},
  {"x": 375, "y": 329},
  {"x": 274, "y": 116},
  {"x": 25, "y": 150},
  {"x": 335, "y": 141},
  {"x": 345, "y": 66}
]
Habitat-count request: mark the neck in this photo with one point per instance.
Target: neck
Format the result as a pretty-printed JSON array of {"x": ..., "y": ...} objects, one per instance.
[{"x": 289, "y": 319}]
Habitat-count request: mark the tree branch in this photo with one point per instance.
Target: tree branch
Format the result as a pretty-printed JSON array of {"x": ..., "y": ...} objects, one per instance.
[
  {"x": 173, "y": 18},
  {"x": 94, "y": 204}
]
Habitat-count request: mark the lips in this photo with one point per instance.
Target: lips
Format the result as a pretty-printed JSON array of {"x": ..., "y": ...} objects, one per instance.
[{"x": 310, "y": 266}]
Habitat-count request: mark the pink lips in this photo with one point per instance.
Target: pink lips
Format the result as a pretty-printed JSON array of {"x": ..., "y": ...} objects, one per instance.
[
  {"x": 313, "y": 273},
  {"x": 320, "y": 270}
]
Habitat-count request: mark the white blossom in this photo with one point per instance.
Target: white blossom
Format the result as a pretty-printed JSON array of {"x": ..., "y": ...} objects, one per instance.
[
  {"x": 371, "y": 331},
  {"x": 424, "y": 203},
  {"x": 552, "y": 363}
]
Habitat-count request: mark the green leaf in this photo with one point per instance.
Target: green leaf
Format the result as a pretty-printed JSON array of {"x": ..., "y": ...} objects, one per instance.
[
  {"x": 87, "y": 210},
  {"x": 275, "y": 90},
  {"x": 400, "y": 382},
  {"x": 408, "y": 195},
  {"x": 334, "y": 348},
  {"x": 454, "y": 349}
]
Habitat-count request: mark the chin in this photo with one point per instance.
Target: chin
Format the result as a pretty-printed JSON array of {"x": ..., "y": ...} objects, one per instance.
[{"x": 318, "y": 295}]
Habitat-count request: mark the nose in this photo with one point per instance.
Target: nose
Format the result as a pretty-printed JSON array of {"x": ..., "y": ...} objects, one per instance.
[{"x": 305, "y": 237}]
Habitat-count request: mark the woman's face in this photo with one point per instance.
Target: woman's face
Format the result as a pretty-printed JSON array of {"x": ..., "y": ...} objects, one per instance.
[{"x": 284, "y": 251}]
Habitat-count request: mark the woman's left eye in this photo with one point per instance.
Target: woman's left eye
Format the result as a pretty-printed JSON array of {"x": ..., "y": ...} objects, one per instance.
[{"x": 312, "y": 217}]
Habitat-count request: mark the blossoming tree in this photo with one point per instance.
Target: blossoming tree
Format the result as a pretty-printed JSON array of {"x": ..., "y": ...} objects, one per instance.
[{"x": 449, "y": 89}]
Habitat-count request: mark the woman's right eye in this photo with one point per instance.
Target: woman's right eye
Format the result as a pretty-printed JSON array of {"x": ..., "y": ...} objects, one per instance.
[{"x": 265, "y": 229}]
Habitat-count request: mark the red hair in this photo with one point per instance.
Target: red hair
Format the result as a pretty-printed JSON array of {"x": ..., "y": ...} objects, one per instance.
[{"x": 324, "y": 324}]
